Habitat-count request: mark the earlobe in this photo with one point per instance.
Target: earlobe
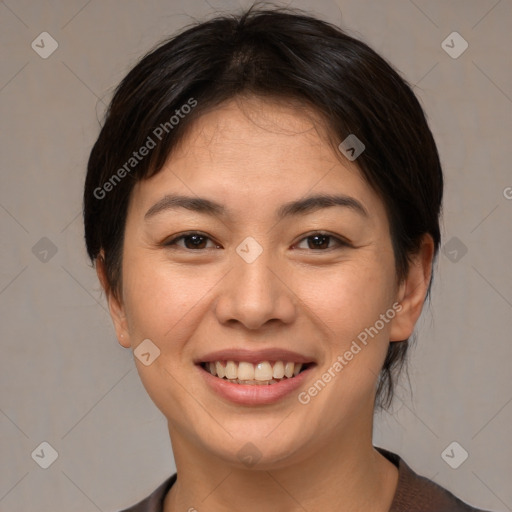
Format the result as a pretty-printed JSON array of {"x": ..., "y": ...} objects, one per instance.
[
  {"x": 115, "y": 305},
  {"x": 413, "y": 291}
]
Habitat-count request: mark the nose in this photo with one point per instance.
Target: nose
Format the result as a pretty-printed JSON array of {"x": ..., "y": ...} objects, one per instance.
[{"x": 256, "y": 293}]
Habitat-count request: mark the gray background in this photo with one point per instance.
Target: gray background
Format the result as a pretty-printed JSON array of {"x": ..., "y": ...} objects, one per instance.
[{"x": 64, "y": 378}]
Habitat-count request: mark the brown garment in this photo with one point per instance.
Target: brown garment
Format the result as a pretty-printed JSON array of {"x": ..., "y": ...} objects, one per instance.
[{"x": 414, "y": 493}]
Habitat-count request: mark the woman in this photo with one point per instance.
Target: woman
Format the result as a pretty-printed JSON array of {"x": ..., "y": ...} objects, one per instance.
[{"x": 262, "y": 207}]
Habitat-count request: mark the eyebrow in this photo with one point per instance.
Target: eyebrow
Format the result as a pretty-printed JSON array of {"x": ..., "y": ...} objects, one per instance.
[{"x": 303, "y": 206}]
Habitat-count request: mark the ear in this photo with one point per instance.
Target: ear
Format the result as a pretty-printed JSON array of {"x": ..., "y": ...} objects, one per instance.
[
  {"x": 115, "y": 304},
  {"x": 412, "y": 291}
]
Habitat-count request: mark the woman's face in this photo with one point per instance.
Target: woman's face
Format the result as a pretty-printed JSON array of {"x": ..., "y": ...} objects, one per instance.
[{"x": 255, "y": 285}]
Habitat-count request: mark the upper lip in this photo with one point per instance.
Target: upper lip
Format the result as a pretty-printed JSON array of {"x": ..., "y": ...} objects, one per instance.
[{"x": 254, "y": 356}]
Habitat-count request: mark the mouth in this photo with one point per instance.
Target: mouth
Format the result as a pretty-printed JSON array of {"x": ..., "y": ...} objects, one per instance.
[{"x": 263, "y": 373}]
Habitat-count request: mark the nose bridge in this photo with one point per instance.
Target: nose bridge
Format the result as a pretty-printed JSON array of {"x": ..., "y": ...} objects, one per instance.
[{"x": 254, "y": 294}]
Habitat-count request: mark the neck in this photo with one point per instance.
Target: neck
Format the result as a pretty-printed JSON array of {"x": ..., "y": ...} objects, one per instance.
[{"x": 344, "y": 474}]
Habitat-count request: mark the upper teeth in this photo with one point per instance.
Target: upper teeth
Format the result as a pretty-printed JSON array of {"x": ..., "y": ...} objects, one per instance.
[{"x": 243, "y": 370}]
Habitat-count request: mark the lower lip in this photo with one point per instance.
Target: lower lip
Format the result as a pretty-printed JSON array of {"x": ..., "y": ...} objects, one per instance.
[{"x": 258, "y": 394}]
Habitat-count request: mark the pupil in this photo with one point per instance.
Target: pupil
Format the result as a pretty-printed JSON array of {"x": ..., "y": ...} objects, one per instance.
[
  {"x": 196, "y": 240},
  {"x": 317, "y": 237}
]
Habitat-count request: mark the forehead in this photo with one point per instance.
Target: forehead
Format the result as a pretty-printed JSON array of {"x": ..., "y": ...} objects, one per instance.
[
  {"x": 263, "y": 128},
  {"x": 254, "y": 153}
]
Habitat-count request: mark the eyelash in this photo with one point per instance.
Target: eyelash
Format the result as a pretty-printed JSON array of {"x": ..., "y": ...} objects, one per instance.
[{"x": 339, "y": 241}]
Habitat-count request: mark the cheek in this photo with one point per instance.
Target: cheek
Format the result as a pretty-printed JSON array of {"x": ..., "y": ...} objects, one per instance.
[
  {"x": 164, "y": 304},
  {"x": 352, "y": 296},
  {"x": 351, "y": 305},
  {"x": 163, "y": 300}
]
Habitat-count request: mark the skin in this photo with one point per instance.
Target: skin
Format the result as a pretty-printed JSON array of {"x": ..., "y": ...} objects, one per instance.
[{"x": 252, "y": 156}]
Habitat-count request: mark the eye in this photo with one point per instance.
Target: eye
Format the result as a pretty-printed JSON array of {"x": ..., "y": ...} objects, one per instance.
[
  {"x": 192, "y": 240},
  {"x": 195, "y": 240},
  {"x": 321, "y": 241}
]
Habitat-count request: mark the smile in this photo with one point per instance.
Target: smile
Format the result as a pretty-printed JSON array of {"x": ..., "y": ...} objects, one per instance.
[{"x": 262, "y": 373}]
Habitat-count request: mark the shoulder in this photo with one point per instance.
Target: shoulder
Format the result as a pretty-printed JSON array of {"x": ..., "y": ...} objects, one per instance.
[
  {"x": 154, "y": 502},
  {"x": 415, "y": 493}
]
